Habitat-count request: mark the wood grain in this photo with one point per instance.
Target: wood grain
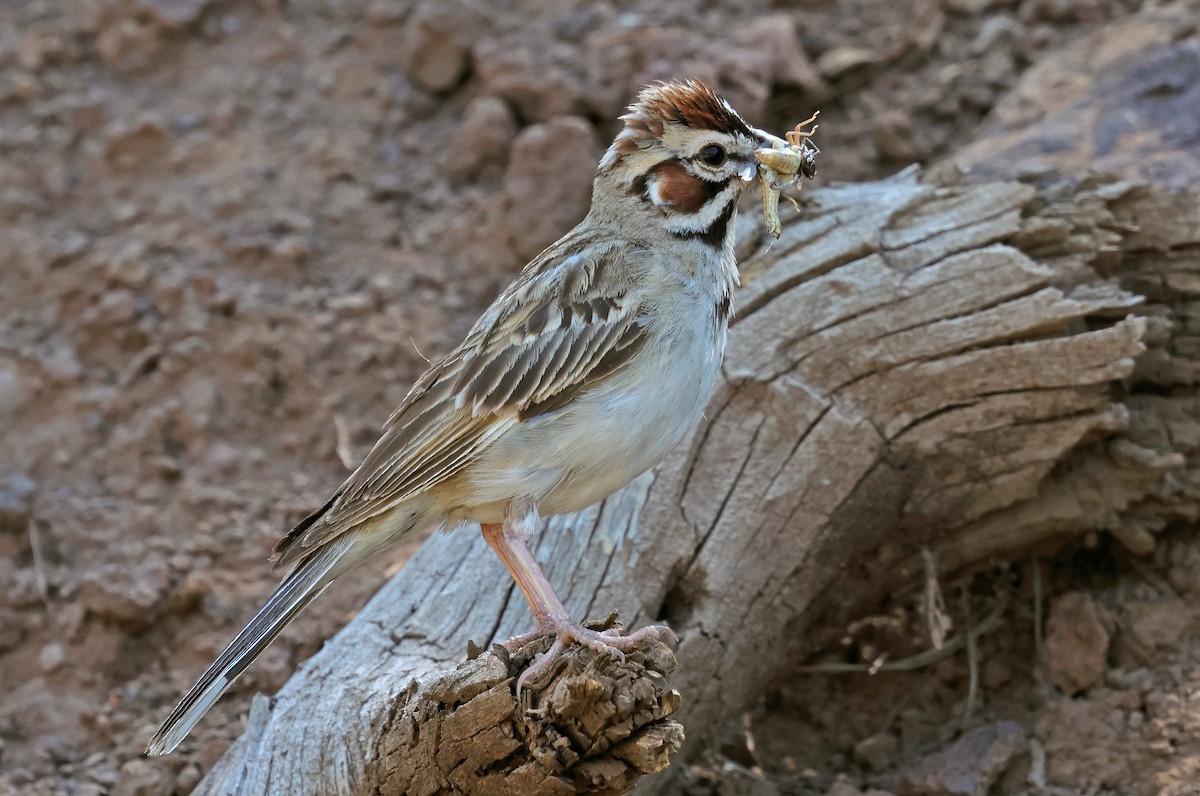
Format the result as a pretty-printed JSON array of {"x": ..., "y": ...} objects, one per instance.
[{"x": 981, "y": 370}]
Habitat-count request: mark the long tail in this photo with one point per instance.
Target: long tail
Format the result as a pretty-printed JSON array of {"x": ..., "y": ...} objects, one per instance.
[{"x": 301, "y": 587}]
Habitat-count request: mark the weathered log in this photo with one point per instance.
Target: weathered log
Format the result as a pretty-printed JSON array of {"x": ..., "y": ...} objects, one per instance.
[
  {"x": 595, "y": 726},
  {"x": 980, "y": 370}
]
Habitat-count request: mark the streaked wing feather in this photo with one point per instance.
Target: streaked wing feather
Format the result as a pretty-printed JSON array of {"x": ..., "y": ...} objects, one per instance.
[{"x": 556, "y": 330}]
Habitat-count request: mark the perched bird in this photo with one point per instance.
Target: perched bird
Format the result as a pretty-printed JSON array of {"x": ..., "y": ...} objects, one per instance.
[{"x": 594, "y": 363}]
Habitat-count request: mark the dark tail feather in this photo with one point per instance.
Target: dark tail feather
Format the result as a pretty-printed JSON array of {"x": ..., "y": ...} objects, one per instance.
[{"x": 303, "y": 585}]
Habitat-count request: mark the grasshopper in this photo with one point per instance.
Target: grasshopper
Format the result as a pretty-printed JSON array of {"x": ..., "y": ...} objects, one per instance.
[{"x": 784, "y": 163}]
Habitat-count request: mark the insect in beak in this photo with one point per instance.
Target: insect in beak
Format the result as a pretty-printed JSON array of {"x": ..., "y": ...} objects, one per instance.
[{"x": 784, "y": 163}]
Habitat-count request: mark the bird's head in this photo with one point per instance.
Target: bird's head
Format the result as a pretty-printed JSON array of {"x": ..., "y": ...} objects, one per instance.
[{"x": 685, "y": 155}]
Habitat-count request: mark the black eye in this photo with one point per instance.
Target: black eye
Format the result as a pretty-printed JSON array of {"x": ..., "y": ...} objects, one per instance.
[
  {"x": 713, "y": 155},
  {"x": 808, "y": 166}
]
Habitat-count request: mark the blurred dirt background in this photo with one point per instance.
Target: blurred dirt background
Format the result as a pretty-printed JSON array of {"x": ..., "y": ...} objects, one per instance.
[{"x": 232, "y": 230}]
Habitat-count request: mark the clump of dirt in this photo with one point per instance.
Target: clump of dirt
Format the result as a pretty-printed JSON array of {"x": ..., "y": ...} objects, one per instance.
[
  {"x": 233, "y": 233},
  {"x": 1100, "y": 697}
]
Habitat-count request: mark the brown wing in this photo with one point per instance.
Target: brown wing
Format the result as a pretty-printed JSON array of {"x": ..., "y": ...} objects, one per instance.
[{"x": 565, "y": 323}]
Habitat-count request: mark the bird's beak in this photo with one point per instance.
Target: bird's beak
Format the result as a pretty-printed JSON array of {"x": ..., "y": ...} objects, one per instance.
[
  {"x": 769, "y": 141},
  {"x": 748, "y": 172}
]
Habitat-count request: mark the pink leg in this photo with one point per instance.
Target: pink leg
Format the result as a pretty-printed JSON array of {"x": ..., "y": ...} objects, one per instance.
[{"x": 551, "y": 616}]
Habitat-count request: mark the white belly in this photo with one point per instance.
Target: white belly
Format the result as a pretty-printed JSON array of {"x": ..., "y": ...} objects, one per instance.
[{"x": 571, "y": 458}]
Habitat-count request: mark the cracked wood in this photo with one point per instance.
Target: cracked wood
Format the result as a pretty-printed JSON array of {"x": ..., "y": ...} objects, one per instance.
[{"x": 976, "y": 368}]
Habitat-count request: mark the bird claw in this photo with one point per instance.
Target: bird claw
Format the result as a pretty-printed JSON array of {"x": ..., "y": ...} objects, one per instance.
[{"x": 612, "y": 642}]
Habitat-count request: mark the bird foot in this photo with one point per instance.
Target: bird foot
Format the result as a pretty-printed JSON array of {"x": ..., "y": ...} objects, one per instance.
[{"x": 613, "y": 642}]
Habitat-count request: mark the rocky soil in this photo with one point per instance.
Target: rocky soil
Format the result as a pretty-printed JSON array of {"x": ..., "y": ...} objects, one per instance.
[{"x": 234, "y": 230}]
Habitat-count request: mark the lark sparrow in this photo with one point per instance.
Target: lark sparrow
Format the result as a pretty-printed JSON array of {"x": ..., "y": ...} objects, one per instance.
[{"x": 588, "y": 368}]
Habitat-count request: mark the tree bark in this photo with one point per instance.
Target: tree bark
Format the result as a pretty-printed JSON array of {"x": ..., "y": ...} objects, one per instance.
[
  {"x": 596, "y": 726},
  {"x": 920, "y": 363}
]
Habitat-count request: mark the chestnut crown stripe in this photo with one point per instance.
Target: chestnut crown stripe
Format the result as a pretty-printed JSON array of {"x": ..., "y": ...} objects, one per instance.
[{"x": 691, "y": 104}]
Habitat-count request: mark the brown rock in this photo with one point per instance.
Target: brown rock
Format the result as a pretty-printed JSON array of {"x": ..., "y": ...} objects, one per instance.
[
  {"x": 1063, "y": 10},
  {"x": 1120, "y": 99},
  {"x": 479, "y": 149},
  {"x": 144, "y": 778},
  {"x": 65, "y": 248},
  {"x": 877, "y": 752},
  {"x": 39, "y": 48},
  {"x": 1183, "y": 567},
  {"x": 293, "y": 248},
  {"x": 738, "y": 781},
  {"x": 895, "y": 138},
  {"x": 135, "y": 593},
  {"x": 382, "y": 13},
  {"x": 12, "y": 629},
  {"x": 790, "y": 66},
  {"x": 1153, "y": 631},
  {"x": 547, "y": 188},
  {"x": 840, "y": 61},
  {"x": 16, "y": 498},
  {"x": 18, "y": 588},
  {"x": 273, "y": 668},
  {"x": 995, "y": 673},
  {"x": 433, "y": 50},
  {"x": 19, "y": 89},
  {"x": 999, "y": 31},
  {"x": 129, "y": 265},
  {"x": 1082, "y": 738},
  {"x": 86, "y": 116},
  {"x": 621, "y": 60},
  {"x": 129, "y": 43},
  {"x": 14, "y": 394},
  {"x": 1076, "y": 643},
  {"x": 744, "y": 76},
  {"x": 115, "y": 308},
  {"x": 187, "y": 779},
  {"x": 539, "y": 86},
  {"x": 968, "y": 767},
  {"x": 135, "y": 147},
  {"x": 61, "y": 363}
]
